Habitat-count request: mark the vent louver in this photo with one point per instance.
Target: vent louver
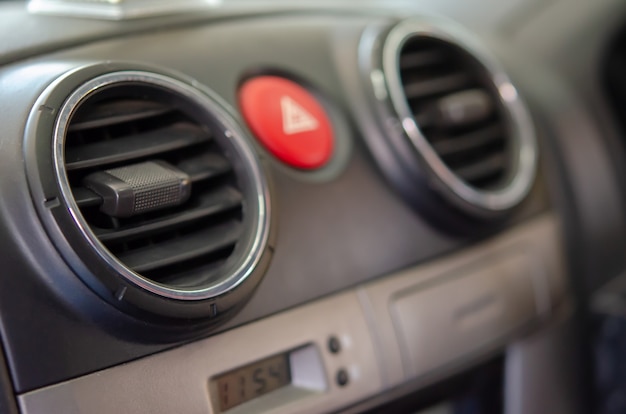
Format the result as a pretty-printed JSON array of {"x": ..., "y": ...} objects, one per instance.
[
  {"x": 169, "y": 243},
  {"x": 456, "y": 110},
  {"x": 462, "y": 116},
  {"x": 162, "y": 203}
]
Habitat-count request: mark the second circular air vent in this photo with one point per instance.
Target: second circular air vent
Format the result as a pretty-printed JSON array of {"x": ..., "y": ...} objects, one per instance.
[
  {"x": 457, "y": 110},
  {"x": 160, "y": 197},
  {"x": 461, "y": 116}
]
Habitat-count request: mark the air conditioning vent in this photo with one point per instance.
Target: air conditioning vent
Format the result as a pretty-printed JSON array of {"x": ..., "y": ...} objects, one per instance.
[
  {"x": 461, "y": 115},
  {"x": 167, "y": 202},
  {"x": 166, "y": 245},
  {"x": 456, "y": 110}
]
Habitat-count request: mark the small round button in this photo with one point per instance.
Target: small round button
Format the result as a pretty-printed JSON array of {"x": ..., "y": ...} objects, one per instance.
[
  {"x": 288, "y": 120},
  {"x": 342, "y": 377},
  {"x": 334, "y": 345}
]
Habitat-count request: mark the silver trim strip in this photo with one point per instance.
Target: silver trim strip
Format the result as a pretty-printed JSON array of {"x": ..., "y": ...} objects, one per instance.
[
  {"x": 261, "y": 209},
  {"x": 519, "y": 120}
]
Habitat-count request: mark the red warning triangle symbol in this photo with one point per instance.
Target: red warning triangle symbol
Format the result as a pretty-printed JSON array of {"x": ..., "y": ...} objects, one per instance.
[{"x": 295, "y": 118}]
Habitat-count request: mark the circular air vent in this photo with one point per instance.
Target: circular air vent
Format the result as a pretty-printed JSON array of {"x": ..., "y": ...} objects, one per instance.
[
  {"x": 461, "y": 115},
  {"x": 160, "y": 197}
]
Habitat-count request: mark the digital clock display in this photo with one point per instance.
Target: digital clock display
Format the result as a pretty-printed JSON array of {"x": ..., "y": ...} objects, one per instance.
[{"x": 246, "y": 383}]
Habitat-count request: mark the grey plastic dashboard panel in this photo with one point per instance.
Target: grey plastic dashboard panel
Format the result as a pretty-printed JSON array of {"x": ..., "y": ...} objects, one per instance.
[
  {"x": 482, "y": 286},
  {"x": 462, "y": 315},
  {"x": 176, "y": 381}
]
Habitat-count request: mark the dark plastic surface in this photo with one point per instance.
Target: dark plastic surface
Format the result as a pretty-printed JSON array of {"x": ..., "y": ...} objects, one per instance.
[
  {"x": 445, "y": 81},
  {"x": 117, "y": 112},
  {"x": 127, "y": 148},
  {"x": 86, "y": 198},
  {"x": 201, "y": 243},
  {"x": 478, "y": 390},
  {"x": 216, "y": 202},
  {"x": 7, "y": 398},
  {"x": 123, "y": 194},
  {"x": 609, "y": 342}
]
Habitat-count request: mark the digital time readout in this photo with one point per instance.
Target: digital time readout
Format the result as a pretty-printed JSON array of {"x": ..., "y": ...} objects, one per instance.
[{"x": 252, "y": 381}]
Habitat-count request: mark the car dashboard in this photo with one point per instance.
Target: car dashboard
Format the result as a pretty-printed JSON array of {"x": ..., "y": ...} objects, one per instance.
[{"x": 298, "y": 208}]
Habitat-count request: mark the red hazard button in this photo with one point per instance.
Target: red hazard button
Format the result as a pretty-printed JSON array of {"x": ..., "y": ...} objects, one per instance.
[{"x": 287, "y": 120}]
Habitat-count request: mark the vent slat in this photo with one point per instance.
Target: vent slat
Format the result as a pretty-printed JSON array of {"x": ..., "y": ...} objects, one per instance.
[
  {"x": 160, "y": 185},
  {"x": 117, "y": 112},
  {"x": 469, "y": 141},
  {"x": 85, "y": 197},
  {"x": 423, "y": 120},
  {"x": 145, "y": 144},
  {"x": 188, "y": 243},
  {"x": 457, "y": 110},
  {"x": 483, "y": 168},
  {"x": 421, "y": 58},
  {"x": 434, "y": 86},
  {"x": 210, "y": 204},
  {"x": 205, "y": 166},
  {"x": 202, "y": 243}
]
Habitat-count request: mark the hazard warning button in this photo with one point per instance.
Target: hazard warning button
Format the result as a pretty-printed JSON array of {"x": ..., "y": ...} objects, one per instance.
[{"x": 287, "y": 120}]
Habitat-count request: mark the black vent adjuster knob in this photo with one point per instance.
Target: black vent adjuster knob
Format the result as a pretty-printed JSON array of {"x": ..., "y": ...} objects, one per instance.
[{"x": 139, "y": 188}]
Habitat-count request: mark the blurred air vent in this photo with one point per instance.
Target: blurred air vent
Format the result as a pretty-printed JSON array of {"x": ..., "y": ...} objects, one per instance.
[
  {"x": 456, "y": 110},
  {"x": 464, "y": 131},
  {"x": 169, "y": 244},
  {"x": 151, "y": 192}
]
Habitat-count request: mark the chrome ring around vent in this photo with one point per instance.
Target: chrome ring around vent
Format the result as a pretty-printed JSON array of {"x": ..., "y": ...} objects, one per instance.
[
  {"x": 519, "y": 121},
  {"x": 260, "y": 209}
]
